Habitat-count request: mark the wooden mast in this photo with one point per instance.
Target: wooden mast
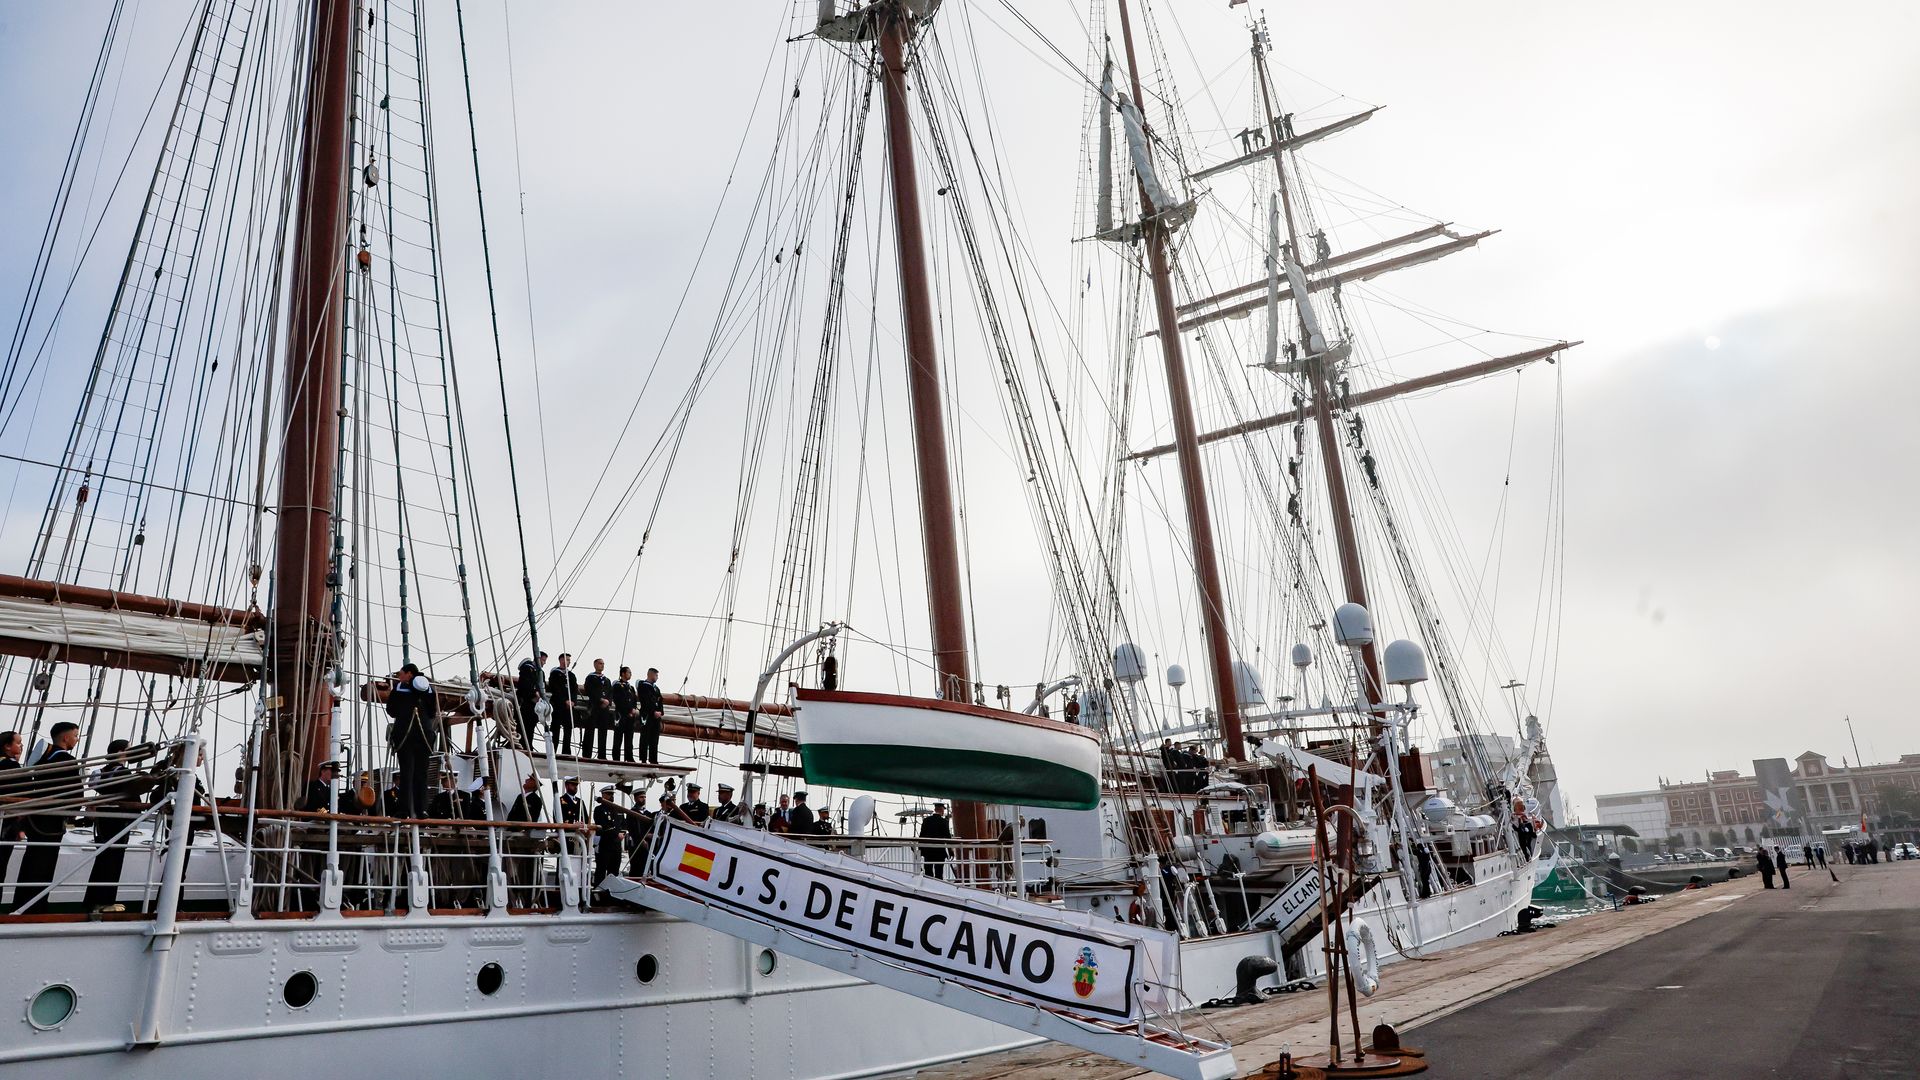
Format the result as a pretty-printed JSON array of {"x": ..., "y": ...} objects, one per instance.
[
  {"x": 939, "y": 536},
  {"x": 1206, "y": 565},
  {"x": 303, "y": 642},
  {"x": 1352, "y": 574}
]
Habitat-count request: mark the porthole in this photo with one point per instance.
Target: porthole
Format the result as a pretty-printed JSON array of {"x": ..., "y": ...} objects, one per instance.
[
  {"x": 490, "y": 979},
  {"x": 647, "y": 969},
  {"x": 299, "y": 990},
  {"x": 766, "y": 962},
  {"x": 51, "y": 1006}
]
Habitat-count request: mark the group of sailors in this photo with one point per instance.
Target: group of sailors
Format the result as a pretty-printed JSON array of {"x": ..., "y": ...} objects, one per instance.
[
  {"x": 623, "y": 831},
  {"x": 55, "y": 782},
  {"x": 608, "y": 713}
]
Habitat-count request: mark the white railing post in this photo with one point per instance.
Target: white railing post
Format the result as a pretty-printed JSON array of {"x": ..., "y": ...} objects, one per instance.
[
  {"x": 161, "y": 935},
  {"x": 417, "y": 886}
]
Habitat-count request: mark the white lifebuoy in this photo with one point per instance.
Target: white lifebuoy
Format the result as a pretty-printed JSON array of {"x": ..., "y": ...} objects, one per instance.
[{"x": 1363, "y": 959}]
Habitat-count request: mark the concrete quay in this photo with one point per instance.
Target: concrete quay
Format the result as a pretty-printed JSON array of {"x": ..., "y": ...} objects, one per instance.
[{"x": 1820, "y": 980}]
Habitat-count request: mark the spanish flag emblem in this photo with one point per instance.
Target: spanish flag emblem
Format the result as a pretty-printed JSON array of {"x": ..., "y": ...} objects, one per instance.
[{"x": 697, "y": 861}]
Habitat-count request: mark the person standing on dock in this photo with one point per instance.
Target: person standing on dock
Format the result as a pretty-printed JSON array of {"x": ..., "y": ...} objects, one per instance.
[
  {"x": 1820, "y": 854},
  {"x": 1780, "y": 864},
  {"x": 1766, "y": 868}
]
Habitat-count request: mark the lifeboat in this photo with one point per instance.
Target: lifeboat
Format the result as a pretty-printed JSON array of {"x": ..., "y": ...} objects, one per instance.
[{"x": 945, "y": 749}]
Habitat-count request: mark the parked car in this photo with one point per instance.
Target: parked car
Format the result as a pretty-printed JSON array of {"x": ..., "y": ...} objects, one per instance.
[
  {"x": 1906, "y": 851},
  {"x": 1723, "y": 853}
]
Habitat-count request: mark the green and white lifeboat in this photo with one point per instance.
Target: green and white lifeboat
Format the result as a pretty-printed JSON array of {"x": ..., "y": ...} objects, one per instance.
[{"x": 945, "y": 749}]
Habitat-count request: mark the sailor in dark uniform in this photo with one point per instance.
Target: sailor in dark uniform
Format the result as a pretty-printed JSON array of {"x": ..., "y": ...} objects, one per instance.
[
  {"x": 653, "y": 708},
  {"x": 626, "y": 715},
  {"x": 449, "y": 803},
  {"x": 319, "y": 795},
  {"x": 640, "y": 821},
  {"x": 726, "y": 809},
  {"x": 11, "y": 830},
  {"x": 416, "y": 735},
  {"x": 799, "y": 816},
  {"x": 562, "y": 688},
  {"x": 597, "y": 735},
  {"x": 610, "y": 833},
  {"x": 694, "y": 809},
  {"x": 58, "y": 776},
  {"x": 529, "y": 806},
  {"x": 526, "y": 690},
  {"x": 570, "y": 808}
]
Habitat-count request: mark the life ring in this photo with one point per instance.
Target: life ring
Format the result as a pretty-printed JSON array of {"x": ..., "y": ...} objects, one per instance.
[{"x": 1363, "y": 958}]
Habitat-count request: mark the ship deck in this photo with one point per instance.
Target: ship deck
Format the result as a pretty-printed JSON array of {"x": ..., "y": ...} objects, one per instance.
[{"x": 1731, "y": 980}]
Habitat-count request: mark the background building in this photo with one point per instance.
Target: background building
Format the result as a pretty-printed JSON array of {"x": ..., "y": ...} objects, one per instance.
[{"x": 1730, "y": 808}]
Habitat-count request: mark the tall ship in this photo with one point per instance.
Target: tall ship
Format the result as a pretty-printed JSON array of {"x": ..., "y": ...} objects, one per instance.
[{"x": 293, "y": 779}]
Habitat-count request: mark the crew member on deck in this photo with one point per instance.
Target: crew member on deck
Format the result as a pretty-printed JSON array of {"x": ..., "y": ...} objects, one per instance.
[
  {"x": 319, "y": 796},
  {"x": 113, "y": 782},
  {"x": 597, "y": 736},
  {"x": 562, "y": 688},
  {"x": 416, "y": 734},
  {"x": 937, "y": 828},
  {"x": 570, "y": 808},
  {"x": 59, "y": 777},
  {"x": 526, "y": 690},
  {"x": 799, "y": 815},
  {"x": 529, "y": 806},
  {"x": 726, "y": 809},
  {"x": 640, "y": 821},
  {"x": 653, "y": 710},
  {"x": 695, "y": 808},
  {"x": 610, "y": 833},
  {"x": 782, "y": 819},
  {"x": 12, "y": 830},
  {"x": 449, "y": 803},
  {"x": 626, "y": 715}
]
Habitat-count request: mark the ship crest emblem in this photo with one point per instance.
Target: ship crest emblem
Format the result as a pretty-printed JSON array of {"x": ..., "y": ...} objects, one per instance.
[{"x": 1085, "y": 970}]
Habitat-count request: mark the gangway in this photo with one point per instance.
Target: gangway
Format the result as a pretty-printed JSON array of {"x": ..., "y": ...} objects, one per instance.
[{"x": 1069, "y": 976}]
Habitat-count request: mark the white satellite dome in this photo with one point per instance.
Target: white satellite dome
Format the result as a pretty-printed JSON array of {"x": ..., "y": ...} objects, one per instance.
[
  {"x": 1129, "y": 663},
  {"x": 1352, "y": 625},
  {"x": 1405, "y": 663},
  {"x": 1246, "y": 685},
  {"x": 1302, "y": 656},
  {"x": 1176, "y": 676}
]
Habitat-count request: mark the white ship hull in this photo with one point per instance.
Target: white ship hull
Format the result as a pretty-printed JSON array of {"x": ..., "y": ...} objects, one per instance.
[
  {"x": 398, "y": 995},
  {"x": 1503, "y": 884}
]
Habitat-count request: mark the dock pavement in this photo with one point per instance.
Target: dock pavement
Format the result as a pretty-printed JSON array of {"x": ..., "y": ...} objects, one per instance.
[{"x": 1819, "y": 980}]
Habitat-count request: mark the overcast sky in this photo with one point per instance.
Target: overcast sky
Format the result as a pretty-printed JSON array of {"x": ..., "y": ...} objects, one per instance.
[{"x": 1715, "y": 197}]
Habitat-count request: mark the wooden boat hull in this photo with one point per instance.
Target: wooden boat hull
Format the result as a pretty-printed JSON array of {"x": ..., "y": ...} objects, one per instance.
[{"x": 945, "y": 749}]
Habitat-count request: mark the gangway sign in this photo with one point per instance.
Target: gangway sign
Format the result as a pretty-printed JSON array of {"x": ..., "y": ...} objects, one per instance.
[{"x": 1070, "y": 976}]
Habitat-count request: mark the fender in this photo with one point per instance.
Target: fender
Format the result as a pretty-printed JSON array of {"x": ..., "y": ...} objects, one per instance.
[{"x": 1363, "y": 957}]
